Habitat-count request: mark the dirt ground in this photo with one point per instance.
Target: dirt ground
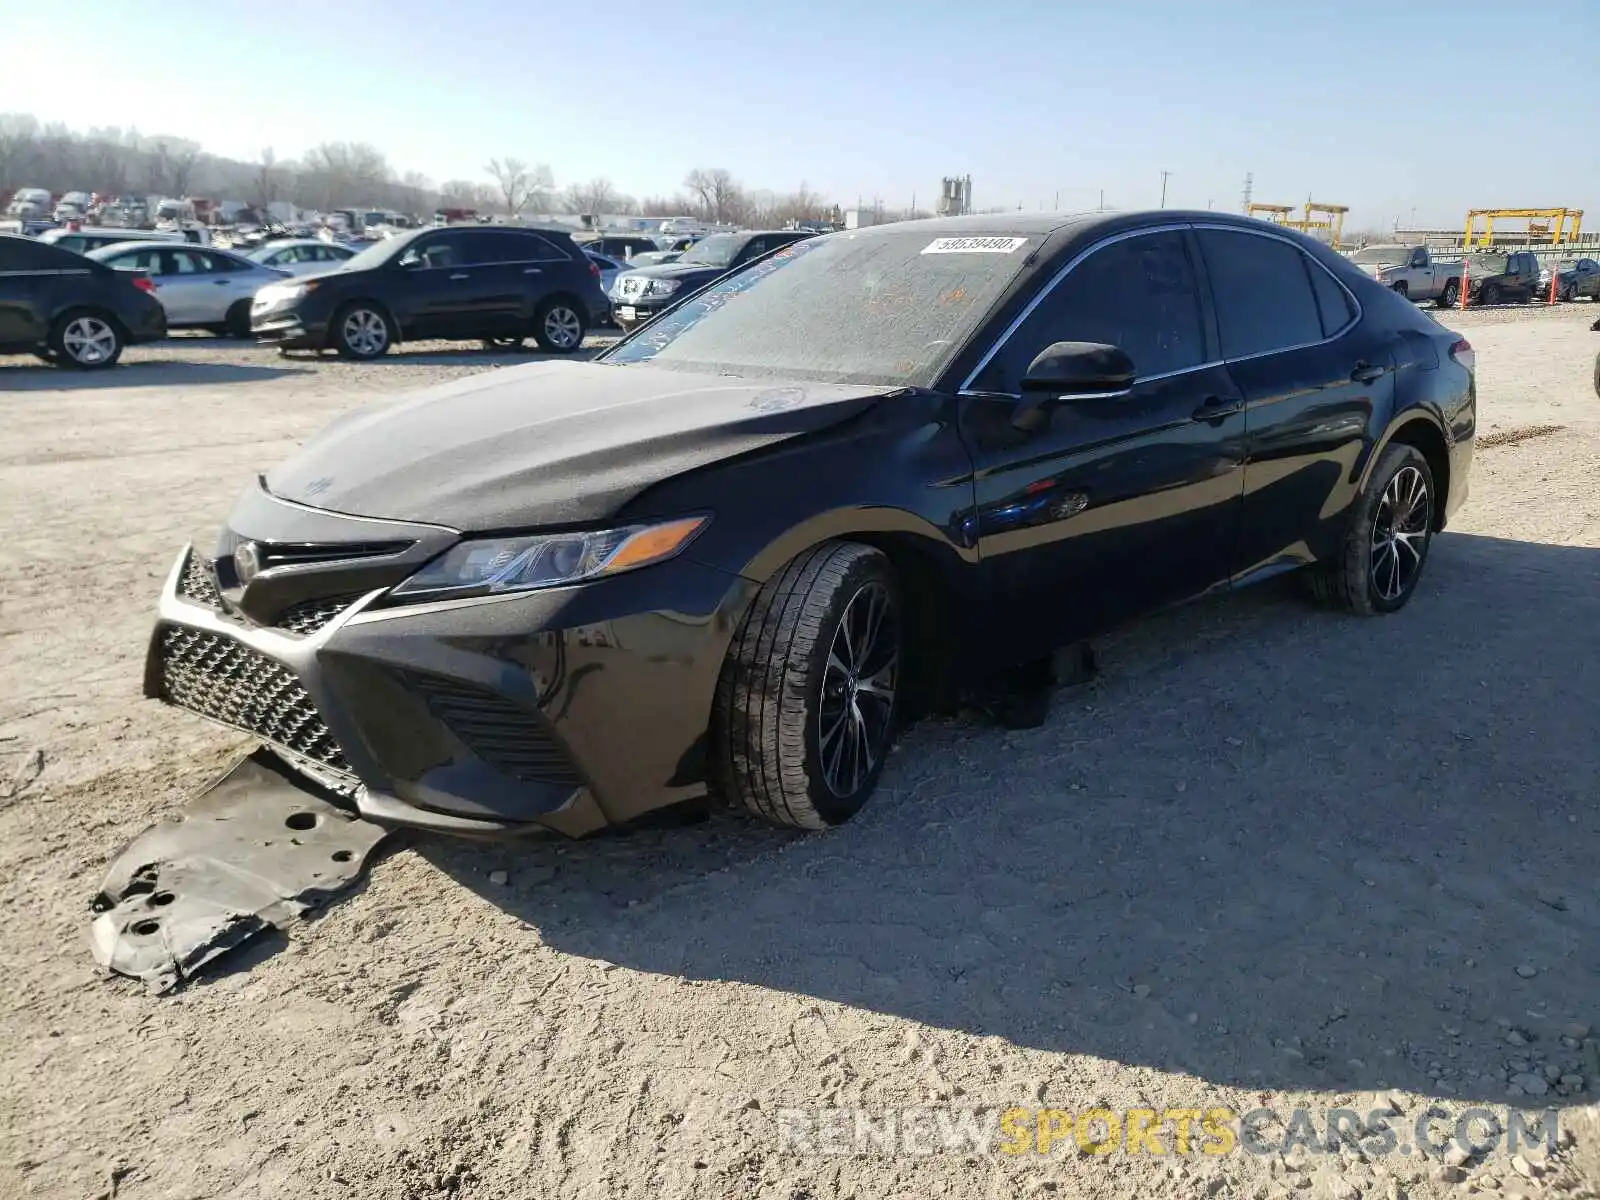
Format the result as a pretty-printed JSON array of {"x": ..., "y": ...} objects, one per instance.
[{"x": 1270, "y": 857}]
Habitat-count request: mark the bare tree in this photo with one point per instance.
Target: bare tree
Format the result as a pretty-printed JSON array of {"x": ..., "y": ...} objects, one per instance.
[
  {"x": 594, "y": 198},
  {"x": 720, "y": 197},
  {"x": 180, "y": 169},
  {"x": 511, "y": 176},
  {"x": 266, "y": 178}
]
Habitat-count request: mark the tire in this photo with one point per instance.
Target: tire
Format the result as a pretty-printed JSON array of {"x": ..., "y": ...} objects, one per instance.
[
  {"x": 1402, "y": 289},
  {"x": 503, "y": 345},
  {"x": 86, "y": 340},
  {"x": 1358, "y": 579},
  {"x": 237, "y": 323},
  {"x": 796, "y": 739},
  {"x": 1567, "y": 294},
  {"x": 1451, "y": 296},
  {"x": 1490, "y": 295},
  {"x": 361, "y": 331},
  {"x": 1597, "y": 374},
  {"x": 559, "y": 327}
]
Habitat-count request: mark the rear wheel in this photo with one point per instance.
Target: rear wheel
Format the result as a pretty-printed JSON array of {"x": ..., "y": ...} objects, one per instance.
[
  {"x": 1451, "y": 294},
  {"x": 237, "y": 323},
  {"x": 361, "y": 331},
  {"x": 1386, "y": 543},
  {"x": 86, "y": 340},
  {"x": 558, "y": 327},
  {"x": 1402, "y": 288},
  {"x": 807, "y": 700}
]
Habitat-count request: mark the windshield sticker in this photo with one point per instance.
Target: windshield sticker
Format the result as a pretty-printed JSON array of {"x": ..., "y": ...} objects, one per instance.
[{"x": 975, "y": 245}]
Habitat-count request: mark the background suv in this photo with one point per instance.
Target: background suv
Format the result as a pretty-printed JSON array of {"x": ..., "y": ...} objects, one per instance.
[
  {"x": 70, "y": 310},
  {"x": 498, "y": 285},
  {"x": 640, "y": 294}
]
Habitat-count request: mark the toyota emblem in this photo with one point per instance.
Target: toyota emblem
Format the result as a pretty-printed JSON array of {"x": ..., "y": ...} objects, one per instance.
[{"x": 246, "y": 561}]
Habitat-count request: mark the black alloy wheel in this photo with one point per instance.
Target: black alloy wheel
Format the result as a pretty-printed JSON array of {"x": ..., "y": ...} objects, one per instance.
[
  {"x": 1385, "y": 545},
  {"x": 809, "y": 695}
]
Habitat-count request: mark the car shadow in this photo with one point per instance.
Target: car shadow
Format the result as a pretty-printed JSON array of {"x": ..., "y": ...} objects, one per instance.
[
  {"x": 147, "y": 373},
  {"x": 1267, "y": 846}
]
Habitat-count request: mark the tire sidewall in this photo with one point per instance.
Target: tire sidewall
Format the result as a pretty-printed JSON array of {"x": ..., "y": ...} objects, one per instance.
[
  {"x": 1395, "y": 459},
  {"x": 237, "y": 322},
  {"x": 834, "y": 809}
]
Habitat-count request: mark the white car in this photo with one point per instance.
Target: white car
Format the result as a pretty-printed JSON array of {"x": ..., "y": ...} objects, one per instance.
[
  {"x": 199, "y": 287},
  {"x": 302, "y": 256}
]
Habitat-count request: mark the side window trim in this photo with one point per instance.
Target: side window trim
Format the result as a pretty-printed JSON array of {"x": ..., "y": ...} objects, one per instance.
[
  {"x": 1043, "y": 293},
  {"x": 1272, "y": 237}
]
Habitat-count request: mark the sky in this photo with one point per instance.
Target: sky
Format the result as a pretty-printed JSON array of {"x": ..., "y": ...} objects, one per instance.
[{"x": 1413, "y": 110}]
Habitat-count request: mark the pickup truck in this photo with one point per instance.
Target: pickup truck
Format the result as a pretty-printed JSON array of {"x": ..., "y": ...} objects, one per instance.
[{"x": 1413, "y": 272}]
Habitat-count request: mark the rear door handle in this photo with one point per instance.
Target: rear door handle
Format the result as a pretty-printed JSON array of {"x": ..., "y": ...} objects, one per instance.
[
  {"x": 532, "y": 271},
  {"x": 1216, "y": 408},
  {"x": 459, "y": 275},
  {"x": 1365, "y": 372}
]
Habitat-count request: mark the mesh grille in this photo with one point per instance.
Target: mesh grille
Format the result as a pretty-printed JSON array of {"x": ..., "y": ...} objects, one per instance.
[
  {"x": 231, "y": 683},
  {"x": 507, "y": 737},
  {"x": 311, "y": 615},
  {"x": 199, "y": 582}
]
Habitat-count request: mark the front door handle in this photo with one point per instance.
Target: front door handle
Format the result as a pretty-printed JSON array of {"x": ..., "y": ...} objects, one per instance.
[
  {"x": 532, "y": 271},
  {"x": 1216, "y": 408},
  {"x": 221, "y": 282},
  {"x": 459, "y": 275},
  {"x": 1365, "y": 372}
]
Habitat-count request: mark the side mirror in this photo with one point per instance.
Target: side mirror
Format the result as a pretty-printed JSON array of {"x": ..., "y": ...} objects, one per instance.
[{"x": 1068, "y": 371}]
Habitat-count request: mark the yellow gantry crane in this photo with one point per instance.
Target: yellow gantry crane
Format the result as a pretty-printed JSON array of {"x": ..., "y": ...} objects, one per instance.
[
  {"x": 1315, "y": 218},
  {"x": 1536, "y": 230}
]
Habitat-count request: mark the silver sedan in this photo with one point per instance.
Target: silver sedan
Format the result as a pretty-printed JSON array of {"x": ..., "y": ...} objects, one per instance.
[
  {"x": 199, "y": 287},
  {"x": 303, "y": 256}
]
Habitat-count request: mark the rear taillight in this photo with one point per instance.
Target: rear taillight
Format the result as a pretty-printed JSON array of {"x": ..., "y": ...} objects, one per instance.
[
  {"x": 145, "y": 284},
  {"x": 1462, "y": 353},
  {"x": 594, "y": 268}
]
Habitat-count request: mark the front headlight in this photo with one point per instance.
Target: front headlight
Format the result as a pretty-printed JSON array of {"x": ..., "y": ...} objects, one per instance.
[
  {"x": 661, "y": 287},
  {"x": 281, "y": 293},
  {"x": 510, "y": 564}
]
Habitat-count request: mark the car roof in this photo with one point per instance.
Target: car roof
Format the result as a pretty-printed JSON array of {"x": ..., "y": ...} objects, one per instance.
[{"x": 285, "y": 243}]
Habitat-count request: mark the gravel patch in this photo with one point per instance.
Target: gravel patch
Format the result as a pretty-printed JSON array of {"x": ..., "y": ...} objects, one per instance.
[{"x": 1270, "y": 857}]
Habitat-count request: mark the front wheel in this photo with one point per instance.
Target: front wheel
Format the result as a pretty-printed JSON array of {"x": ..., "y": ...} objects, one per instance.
[
  {"x": 1451, "y": 295},
  {"x": 1386, "y": 543},
  {"x": 808, "y": 697},
  {"x": 1491, "y": 294},
  {"x": 88, "y": 341},
  {"x": 558, "y": 327},
  {"x": 361, "y": 332}
]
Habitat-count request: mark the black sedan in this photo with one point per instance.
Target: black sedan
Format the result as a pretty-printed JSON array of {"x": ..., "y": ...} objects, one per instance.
[
  {"x": 640, "y": 294},
  {"x": 69, "y": 310},
  {"x": 815, "y": 499}
]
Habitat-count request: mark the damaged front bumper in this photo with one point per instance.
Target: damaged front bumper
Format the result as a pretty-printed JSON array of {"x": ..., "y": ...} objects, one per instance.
[{"x": 561, "y": 709}]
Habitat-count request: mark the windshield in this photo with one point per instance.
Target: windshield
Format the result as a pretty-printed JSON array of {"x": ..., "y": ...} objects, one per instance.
[
  {"x": 715, "y": 251},
  {"x": 378, "y": 253},
  {"x": 846, "y": 308},
  {"x": 1381, "y": 254}
]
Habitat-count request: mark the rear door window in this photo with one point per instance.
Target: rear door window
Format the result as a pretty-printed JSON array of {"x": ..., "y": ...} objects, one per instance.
[
  {"x": 1139, "y": 294},
  {"x": 23, "y": 255},
  {"x": 1263, "y": 296},
  {"x": 1333, "y": 302}
]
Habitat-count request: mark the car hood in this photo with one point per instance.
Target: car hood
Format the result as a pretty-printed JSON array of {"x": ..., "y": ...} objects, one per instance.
[
  {"x": 547, "y": 444},
  {"x": 676, "y": 270}
]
